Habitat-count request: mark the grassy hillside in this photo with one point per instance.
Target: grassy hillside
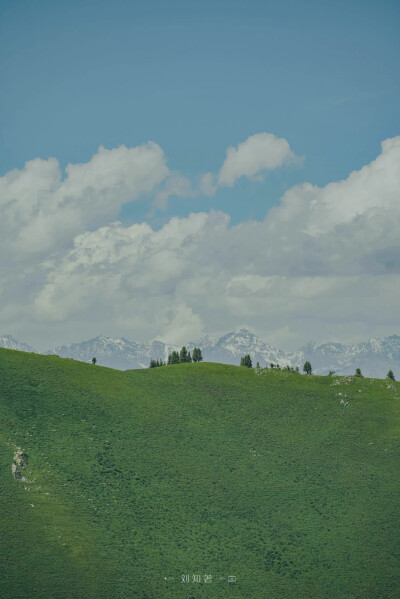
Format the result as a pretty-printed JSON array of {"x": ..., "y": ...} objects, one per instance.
[{"x": 288, "y": 482}]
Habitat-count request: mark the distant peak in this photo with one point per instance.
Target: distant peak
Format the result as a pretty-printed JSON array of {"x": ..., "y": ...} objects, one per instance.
[
  {"x": 9, "y": 342},
  {"x": 240, "y": 332}
]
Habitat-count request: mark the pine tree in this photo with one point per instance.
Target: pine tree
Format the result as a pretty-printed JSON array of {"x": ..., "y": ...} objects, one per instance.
[
  {"x": 94, "y": 360},
  {"x": 196, "y": 356},
  {"x": 189, "y": 357},
  {"x": 183, "y": 356},
  {"x": 246, "y": 361},
  {"x": 390, "y": 375},
  {"x": 152, "y": 363},
  {"x": 173, "y": 358},
  {"x": 358, "y": 372},
  {"x": 307, "y": 367}
]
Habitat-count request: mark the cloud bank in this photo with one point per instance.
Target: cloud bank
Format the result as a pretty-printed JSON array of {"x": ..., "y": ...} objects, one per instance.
[{"x": 323, "y": 264}]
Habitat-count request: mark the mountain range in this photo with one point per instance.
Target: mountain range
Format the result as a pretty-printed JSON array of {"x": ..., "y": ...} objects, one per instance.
[{"x": 375, "y": 356}]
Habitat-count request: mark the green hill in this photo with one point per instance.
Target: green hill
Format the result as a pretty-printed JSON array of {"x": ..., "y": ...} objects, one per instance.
[{"x": 288, "y": 482}]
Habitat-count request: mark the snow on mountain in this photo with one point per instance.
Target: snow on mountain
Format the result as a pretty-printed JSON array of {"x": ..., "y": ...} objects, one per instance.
[
  {"x": 9, "y": 342},
  {"x": 375, "y": 356},
  {"x": 119, "y": 353},
  {"x": 232, "y": 346}
]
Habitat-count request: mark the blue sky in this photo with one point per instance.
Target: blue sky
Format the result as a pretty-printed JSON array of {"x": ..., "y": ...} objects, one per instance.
[
  {"x": 268, "y": 198},
  {"x": 196, "y": 78}
]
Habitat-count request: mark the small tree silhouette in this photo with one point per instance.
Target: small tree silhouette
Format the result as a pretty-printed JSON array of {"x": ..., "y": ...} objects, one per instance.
[
  {"x": 246, "y": 361},
  {"x": 94, "y": 360},
  {"x": 358, "y": 372},
  {"x": 390, "y": 375},
  {"x": 183, "y": 355},
  {"x": 197, "y": 357},
  {"x": 307, "y": 367}
]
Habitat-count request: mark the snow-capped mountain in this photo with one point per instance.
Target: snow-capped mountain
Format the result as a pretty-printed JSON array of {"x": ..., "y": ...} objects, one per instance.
[
  {"x": 119, "y": 353},
  {"x": 232, "y": 346},
  {"x": 9, "y": 342},
  {"x": 375, "y": 357}
]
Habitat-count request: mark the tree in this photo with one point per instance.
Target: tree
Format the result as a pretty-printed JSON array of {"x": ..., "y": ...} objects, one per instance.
[
  {"x": 297, "y": 369},
  {"x": 189, "y": 357},
  {"x": 246, "y": 361},
  {"x": 157, "y": 363},
  {"x": 183, "y": 355},
  {"x": 196, "y": 356},
  {"x": 258, "y": 365},
  {"x": 358, "y": 372},
  {"x": 307, "y": 367},
  {"x": 390, "y": 375},
  {"x": 94, "y": 360},
  {"x": 173, "y": 358}
]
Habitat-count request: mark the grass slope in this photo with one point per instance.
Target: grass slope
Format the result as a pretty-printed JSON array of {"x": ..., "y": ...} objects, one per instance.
[{"x": 288, "y": 482}]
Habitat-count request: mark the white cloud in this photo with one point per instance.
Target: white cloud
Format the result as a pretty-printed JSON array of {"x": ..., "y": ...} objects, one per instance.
[
  {"x": 372, "y": 190},
  {"x": 207, "y": 184},
  {"x": 323, "y": 264},
  {"x": 182, "y": 324},
  {"x": 175, "y": 185},
  {"x": 260, "y": 152},
  {"x": 41, "y": 211}
]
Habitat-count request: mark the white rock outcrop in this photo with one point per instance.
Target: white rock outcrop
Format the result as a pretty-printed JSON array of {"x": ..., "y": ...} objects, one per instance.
[{"x": 19, "y": 463}]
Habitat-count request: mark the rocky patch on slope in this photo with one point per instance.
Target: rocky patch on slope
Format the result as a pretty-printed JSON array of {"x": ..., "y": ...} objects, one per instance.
[{"x": 19, "y": 464}]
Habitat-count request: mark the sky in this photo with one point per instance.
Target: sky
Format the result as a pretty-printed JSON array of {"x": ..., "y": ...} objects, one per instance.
[{"x": 175, "y": 169}]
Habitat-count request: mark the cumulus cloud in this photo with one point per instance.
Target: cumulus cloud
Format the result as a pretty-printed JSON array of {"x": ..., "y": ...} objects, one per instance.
[
  {"x": 208, "y": 184},
  {"x": 323, "y": 264},
  {"x": 260, "y": 152},
  {"x": 175, "y": 185},
  {"x": 370, "y": 191},
  {"x": 41, "y": 210},
  {"x": 182, "y": 324}
]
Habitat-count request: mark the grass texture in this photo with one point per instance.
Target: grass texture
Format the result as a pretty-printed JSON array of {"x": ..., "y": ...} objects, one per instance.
[{"x": 137, "y": 478}]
